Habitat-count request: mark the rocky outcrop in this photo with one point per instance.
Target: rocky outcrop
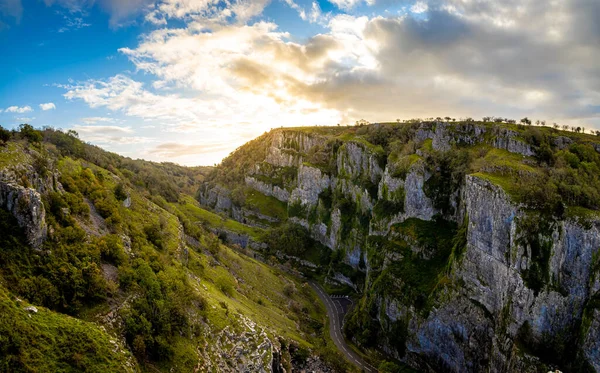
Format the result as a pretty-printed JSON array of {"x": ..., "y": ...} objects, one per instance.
[
  {"x": 311, "y": 183},
  {"x": 509, "y": 140},
  {"x": 25, "y": 204},
  {"x": 217, "y": 198},
  {"x": 521, "y": 288},
  {"x": 267, "y": 189},
  {"x": 481, "y": 324}
]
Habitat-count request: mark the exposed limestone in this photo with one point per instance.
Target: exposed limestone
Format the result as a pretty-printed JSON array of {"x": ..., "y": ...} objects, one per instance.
[
  {"x": 267, "y": 189},
  {"x": 25, "y": 204},
  {"x": 416, "y": 203},
  {"x": 311, "y": 182},
  {"x": 477, "y": 320},
  {"x": 354, "y": 161}
]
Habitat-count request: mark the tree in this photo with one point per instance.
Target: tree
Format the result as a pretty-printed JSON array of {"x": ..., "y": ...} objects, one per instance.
[
  {"x": 4, "y": 135},
  {"x": 555, "y": 125},
  {"x": 526, "y": 121},
  {"x": 30, "y": 133}
]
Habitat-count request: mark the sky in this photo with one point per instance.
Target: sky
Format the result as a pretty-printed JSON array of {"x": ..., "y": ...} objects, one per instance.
[{"x": 189, "y": 81}]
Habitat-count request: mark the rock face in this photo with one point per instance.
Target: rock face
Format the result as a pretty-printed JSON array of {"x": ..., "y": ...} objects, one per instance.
[
  {"x": 510, "y": 290},
  {"x": 25, "y": 204}
]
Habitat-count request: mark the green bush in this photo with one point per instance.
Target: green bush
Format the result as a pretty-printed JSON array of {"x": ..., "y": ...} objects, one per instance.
[{"x": 4, "y": 135}]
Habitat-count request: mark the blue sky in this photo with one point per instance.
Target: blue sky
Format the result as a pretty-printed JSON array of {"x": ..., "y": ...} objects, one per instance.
[{"x": 189, "y": 81}]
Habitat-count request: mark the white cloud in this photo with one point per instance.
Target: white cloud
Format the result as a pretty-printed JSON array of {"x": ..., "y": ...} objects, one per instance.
[
  {"x": 102, "y": 129},
  {"x": 18, "y": 110},
  {"x": 47, "y": 106},
  {"x": 219, "y": 77},
  {"x": 419, "y": 7},
  {"x": 346, "y": 4},
  {"x": 94, "y": 120},
  {"x": 24, "y": 119}
]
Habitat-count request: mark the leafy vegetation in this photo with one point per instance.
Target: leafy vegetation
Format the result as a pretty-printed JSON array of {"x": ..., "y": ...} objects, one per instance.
[{"x": 152, "y": 265}]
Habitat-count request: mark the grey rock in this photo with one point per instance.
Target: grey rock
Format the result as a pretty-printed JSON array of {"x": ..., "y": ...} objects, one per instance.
[
  {"x": 267, "y": 189},
  {"x": 25, "y": 204}
]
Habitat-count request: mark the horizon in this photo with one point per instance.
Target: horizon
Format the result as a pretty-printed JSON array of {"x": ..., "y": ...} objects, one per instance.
[{"x": 189, "y": 82}]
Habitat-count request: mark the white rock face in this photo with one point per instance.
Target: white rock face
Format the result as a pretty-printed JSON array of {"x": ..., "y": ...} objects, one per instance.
[
  {"x": 311, "y": 182},
  {"x": 416, "y": 203},
  {"x": 25, "y": 204},
  {"x": 268, "y": 189},
  {"x": 354, "y": 161}
]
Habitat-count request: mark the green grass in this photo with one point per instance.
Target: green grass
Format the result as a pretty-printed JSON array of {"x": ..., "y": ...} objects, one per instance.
[
  {"x": 505, "y": 182},
  {"x": 428, "y": 145},
  {"x": 351, "y": 137},
  {"x": 12, "y": 154},
  {"x": 260, "y": 295},
  {"x": 47, "y": 341},
  {"x": 266, "y": 205},
  {"x": 190, "y": 207},
  {"x": 504, "y": 161}
]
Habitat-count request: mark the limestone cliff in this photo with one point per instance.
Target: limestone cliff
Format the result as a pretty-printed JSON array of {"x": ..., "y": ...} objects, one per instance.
[{"x": 460, "y": 272}]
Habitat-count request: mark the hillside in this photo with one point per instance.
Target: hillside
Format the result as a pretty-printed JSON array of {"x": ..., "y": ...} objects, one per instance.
[
  {"x": 109, "y": 264},
  {"x": 469, "y": 246}
]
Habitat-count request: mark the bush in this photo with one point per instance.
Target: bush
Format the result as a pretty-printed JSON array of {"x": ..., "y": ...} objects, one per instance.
[
  {"x": 4, "y": 135},
  {"x": 30, "y": 133}
]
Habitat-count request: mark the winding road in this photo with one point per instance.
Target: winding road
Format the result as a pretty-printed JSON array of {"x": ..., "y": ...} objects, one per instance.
[{"x": 336, "y": 314}]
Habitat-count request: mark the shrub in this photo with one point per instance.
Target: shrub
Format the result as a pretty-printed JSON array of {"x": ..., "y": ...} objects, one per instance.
[
  {"x": 4, "y": 135},
  {"x": 30, "y": 133}
]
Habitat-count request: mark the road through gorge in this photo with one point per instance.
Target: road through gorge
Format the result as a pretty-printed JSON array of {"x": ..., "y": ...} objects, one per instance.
[{"x": 336, "y": 313}]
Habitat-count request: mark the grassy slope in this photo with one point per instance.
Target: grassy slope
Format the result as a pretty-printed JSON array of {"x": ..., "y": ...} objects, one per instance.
[
  {"x": 192, "y": 209},
  {"x": 47, "y": 341},
  {"x": 232, "y": 284}
]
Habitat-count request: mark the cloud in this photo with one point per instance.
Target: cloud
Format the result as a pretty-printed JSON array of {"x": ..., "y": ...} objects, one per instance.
[
  {"x": 73, "y": 23},
  {"x": 94, "y": 120},
  {"x": 345, "y": 4},
  {"x": 47, "y": 106},
  {"x": 419, "y": 7},
  {"x": 176, "y": 150},
  {"x": 102, "y": 129},
  {"x": 219, "y": 76},
  {"x": 18, "y": 110},
  {"x": 110, "y": 135},
  {"x": 24, "y": 119}
]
